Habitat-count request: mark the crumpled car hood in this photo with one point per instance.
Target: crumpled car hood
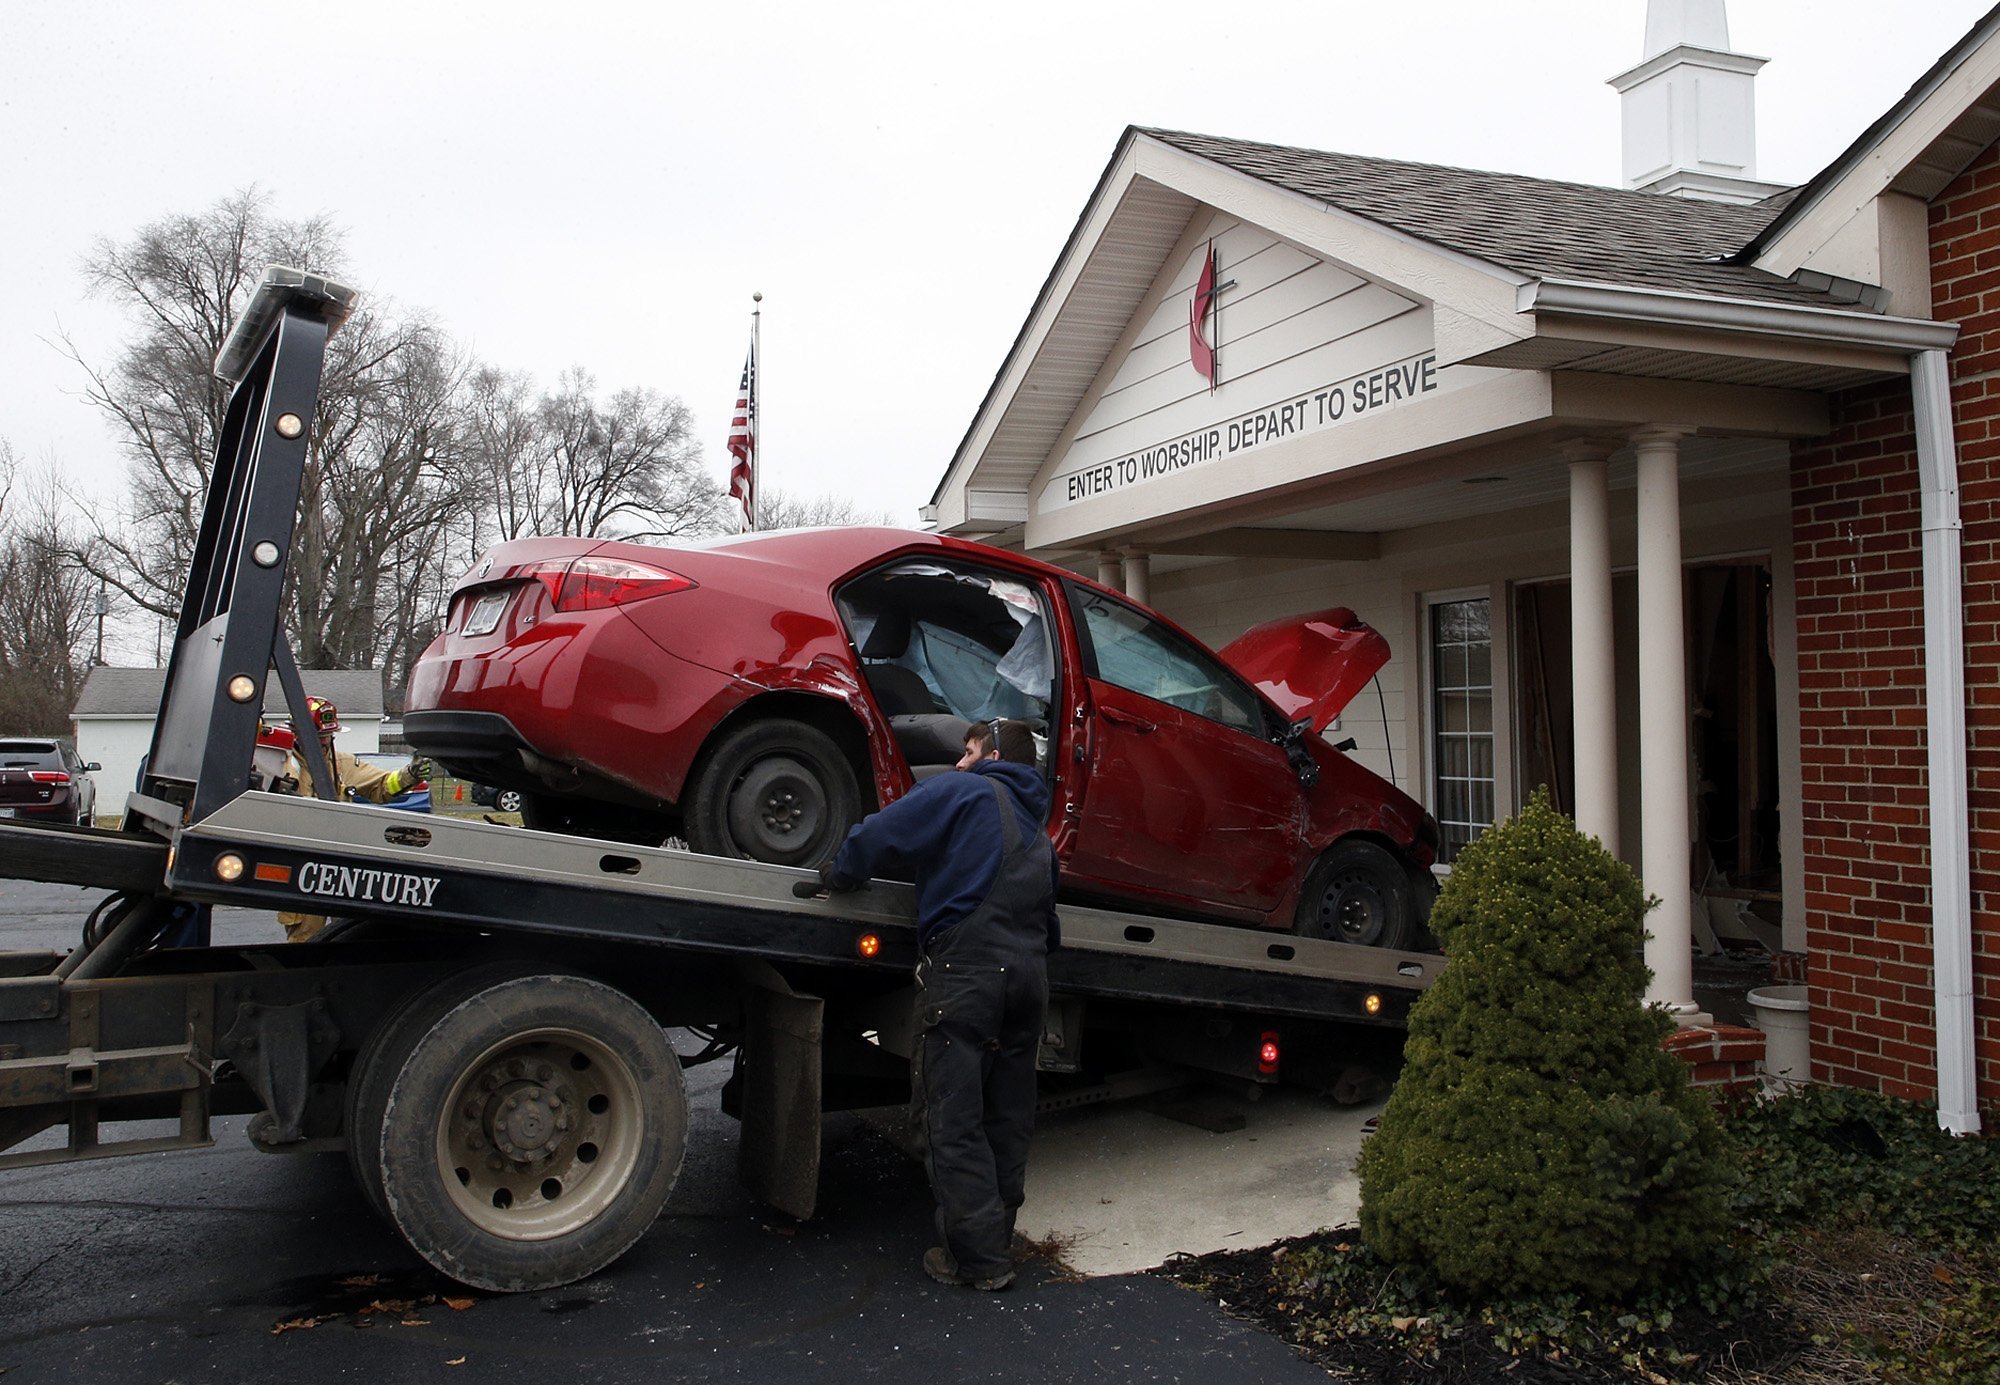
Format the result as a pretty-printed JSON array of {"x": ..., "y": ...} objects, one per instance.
[{"x": 1311, "y": 665}]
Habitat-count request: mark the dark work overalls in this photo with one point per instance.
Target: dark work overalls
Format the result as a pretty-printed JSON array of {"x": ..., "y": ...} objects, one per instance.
[{"x": 982, "y": 987}]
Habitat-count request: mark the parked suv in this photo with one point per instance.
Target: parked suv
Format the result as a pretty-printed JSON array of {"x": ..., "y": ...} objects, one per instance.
[{"x": 46, "y": 781}]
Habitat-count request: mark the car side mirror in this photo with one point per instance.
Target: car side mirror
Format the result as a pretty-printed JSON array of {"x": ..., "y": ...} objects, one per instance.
[{"x": 93, "y": 767}]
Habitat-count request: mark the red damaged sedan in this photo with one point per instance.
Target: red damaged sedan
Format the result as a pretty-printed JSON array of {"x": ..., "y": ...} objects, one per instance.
[{"x": 757, "y": 695}]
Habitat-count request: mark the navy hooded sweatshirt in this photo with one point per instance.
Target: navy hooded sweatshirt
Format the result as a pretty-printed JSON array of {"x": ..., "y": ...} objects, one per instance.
[{"x": 950, "y": 824}]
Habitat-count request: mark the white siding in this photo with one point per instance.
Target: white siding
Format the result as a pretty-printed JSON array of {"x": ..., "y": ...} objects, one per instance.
[
  {"x": 1290, "y": 331},
  {"x": 119, "y": 743}
]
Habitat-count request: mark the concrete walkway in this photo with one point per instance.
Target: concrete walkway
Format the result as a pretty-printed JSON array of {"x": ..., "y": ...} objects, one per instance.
[{"x": 1120, "y": 1188}]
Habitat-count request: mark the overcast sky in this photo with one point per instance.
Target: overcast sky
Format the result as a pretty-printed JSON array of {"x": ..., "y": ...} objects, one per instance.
[{"x": 604, "y": 185}]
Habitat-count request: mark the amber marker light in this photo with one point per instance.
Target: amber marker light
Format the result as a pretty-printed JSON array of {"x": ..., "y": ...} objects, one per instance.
[
  {"x": 1373, "y": 1004},
  {"x": 276, "y": 875},
  {"x": 868, "y": 945},
  {"x": 242, "y": 688},
  {"x": 229, "y": 866}
]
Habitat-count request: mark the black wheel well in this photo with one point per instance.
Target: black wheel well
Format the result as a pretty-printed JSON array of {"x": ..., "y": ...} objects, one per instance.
[
  {"x": 1362, "y": 834},
  {"x": 823, "y": 714}
]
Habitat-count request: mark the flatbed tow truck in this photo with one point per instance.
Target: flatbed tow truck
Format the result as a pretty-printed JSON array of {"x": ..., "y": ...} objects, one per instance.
[{"x": 482, "y": 1028}]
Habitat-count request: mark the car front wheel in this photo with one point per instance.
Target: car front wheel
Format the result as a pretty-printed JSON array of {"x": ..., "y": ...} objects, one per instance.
[
  {"x": 1360, "y": 893},
  {"x": 777, "y": 790}
]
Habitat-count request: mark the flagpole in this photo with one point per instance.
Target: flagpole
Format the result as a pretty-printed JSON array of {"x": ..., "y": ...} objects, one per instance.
[{"x": 756, "y": 405}]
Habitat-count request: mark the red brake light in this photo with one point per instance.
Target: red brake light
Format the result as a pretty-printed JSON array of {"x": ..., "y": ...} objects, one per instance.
[
  {"x": 1267, "y": 1053},
  {"x": 591, "y": 584},
  {"x": 49, "y": 776}
]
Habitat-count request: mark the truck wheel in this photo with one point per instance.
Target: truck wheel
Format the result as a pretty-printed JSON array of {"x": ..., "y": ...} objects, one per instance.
[
  {"x": 508, "y": 800},
  {"x": 776, "y": 790},
  {"x": 380, "y": 1061},
  {"x": 532, "y": 1132},
  {"x": 1360, "y": 893}
]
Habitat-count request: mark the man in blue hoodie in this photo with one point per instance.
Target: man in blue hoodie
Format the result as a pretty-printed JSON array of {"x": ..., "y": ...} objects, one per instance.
[{"x": 986, "y": 922}]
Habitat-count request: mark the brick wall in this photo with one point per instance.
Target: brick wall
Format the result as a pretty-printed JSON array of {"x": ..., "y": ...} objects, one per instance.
[{"x": 1861, "y": 679}]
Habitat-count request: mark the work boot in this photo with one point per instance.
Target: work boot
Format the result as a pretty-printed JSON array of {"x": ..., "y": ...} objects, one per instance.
[{"x": 939, "y": 1265}]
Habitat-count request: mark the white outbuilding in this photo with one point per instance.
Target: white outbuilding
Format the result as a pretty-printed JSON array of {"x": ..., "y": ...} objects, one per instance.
[{"x": 113, "y": 720}]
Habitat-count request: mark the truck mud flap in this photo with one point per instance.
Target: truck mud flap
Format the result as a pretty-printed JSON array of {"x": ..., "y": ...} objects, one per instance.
[{"x": 778, "y": 1096}]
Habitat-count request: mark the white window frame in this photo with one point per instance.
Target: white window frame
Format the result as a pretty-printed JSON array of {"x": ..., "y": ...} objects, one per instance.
[{"x": 1495, "y": 595}]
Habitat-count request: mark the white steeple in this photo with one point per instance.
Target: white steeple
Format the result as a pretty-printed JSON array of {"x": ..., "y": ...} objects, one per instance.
[
  {"x": 1686, "y": 23},
  {"x": 1690, "y": 114}
]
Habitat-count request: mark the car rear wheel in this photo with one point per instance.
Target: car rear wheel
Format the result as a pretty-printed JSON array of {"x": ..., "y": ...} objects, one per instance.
[
  {"x": 508, "y": 800},
  {"x": 777, "y": 791},
  {"x": 1360, "y": 893}
]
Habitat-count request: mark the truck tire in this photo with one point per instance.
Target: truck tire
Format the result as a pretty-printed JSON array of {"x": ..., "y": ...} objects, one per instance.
[
  {"x": 381, "y": 1059},
  {"x": 775, "y": 790},
  {"x": 530, "y": 1132},
  {"x": 1360, "y": 893}
]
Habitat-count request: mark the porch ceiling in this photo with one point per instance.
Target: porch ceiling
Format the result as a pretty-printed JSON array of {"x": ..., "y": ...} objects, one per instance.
[
  {"x": 1476, "y": 485},
  {"x": 1615, "y": 358}
]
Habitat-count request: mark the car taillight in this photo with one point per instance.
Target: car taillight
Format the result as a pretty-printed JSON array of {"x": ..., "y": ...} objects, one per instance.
[
  {"x": 591, "y": 584},
  {"x": 49, "y": 776}
]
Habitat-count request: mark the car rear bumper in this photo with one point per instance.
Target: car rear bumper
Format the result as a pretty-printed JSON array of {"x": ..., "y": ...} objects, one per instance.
[
  {"x": 488, "y": 747},
  {"x": 62, "y": 810}
]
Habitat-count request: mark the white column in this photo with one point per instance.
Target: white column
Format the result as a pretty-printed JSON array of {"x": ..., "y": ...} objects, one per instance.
[
  {"x": 1593, "y": 645},
  {"x": 1663, "y": 723},
  {"x": 1138, "y": 573},
  {"x": 1108, "y": 572}
]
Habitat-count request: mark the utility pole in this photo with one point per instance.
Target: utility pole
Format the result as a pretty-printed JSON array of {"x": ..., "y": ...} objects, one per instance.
[{"x": 103, "y": 605}]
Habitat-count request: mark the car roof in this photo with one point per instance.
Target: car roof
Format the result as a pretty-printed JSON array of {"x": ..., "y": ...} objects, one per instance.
[{"x": 828, "y": 552}]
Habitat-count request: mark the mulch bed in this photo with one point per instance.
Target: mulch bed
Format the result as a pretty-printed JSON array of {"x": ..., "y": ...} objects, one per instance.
[{"x": 1761, "y": 1346}]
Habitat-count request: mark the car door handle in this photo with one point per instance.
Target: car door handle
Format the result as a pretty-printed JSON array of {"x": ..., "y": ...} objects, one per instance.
[{"x": 1128, "y": 721}]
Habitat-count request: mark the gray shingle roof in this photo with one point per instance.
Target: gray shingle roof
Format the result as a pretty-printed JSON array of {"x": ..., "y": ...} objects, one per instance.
[
  {"x": 135, "y": 692},
  {"x": 1538, "y": 227}
]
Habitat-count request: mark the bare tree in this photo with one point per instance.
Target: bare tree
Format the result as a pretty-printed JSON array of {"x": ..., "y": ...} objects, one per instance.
[
  {"x": 375, "y": 473},
  {"x": 183, "y": 280},
  {"x": 626, "y": 467},
  {"x": 418, "y": 458},
  {"x": 47, "y": 603},
  {"x": 506, "y": 466},
  {"x": 779, "y": 509}
]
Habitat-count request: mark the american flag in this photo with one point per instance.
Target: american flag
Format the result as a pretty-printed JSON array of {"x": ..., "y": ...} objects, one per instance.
[{"x": 743, "y": 442}]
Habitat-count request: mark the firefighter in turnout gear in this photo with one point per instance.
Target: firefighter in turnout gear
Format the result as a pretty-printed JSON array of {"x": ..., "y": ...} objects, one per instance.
[
  {"x": 351, "y": 777},
  {"x": 986, "y": 921}
]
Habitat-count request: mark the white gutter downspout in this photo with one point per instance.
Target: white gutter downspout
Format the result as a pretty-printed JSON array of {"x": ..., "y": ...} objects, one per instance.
[{"x": 1944, "y": 734}]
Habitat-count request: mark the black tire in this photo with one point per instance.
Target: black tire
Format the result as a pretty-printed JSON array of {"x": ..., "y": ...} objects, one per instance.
[
  {"x": 777, "y": 790},
  {"x": 381, "y": 1059},
  {"x": 567, "y": 1086},
  {"x": 1360, "y": 893},
  {"x": 508, "y": 800}
]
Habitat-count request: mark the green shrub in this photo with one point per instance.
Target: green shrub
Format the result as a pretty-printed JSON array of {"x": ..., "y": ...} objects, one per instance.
[{"x": 1540, "y": 1141}]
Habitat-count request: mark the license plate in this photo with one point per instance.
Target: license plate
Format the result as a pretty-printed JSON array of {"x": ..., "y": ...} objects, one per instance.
[
  {"x": 485, "y": 617},
  {"x": 6, "y": 812}
]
